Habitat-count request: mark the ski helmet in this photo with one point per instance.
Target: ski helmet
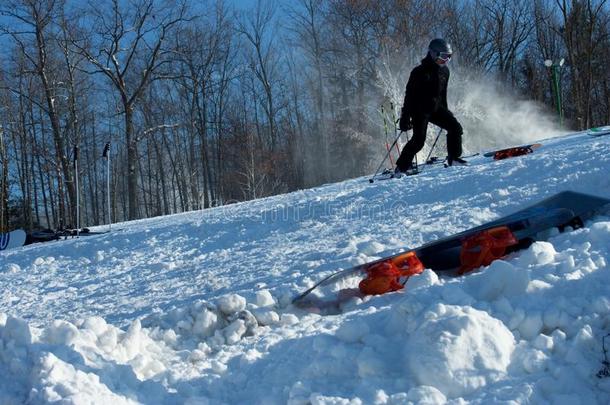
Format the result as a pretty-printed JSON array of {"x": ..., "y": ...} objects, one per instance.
[{"x": 440, "y": 49}]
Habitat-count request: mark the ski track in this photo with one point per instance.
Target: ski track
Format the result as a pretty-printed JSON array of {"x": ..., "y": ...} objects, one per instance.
[{"x": 194, "y": 308}]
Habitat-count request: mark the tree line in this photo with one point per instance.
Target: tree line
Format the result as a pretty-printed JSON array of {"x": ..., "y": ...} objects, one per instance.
[{"x": 204, "y": 103}]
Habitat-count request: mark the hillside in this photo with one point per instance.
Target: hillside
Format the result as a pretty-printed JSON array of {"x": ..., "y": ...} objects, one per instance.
[{"x": 195, "y": 308}]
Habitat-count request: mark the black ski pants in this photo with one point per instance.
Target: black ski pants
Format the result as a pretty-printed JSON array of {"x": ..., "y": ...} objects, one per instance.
[{"x": 442, "y": 118}]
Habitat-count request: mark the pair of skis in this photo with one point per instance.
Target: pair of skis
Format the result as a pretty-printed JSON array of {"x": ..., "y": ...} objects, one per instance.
[
  {"x": 499, "y": 154},
  {"x": 388, "y": 173},
  {"x": 431, "y": 161}
]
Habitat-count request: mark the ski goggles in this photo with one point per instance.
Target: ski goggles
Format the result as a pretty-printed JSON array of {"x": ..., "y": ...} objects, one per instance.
[{"x": 444, "y": 56}]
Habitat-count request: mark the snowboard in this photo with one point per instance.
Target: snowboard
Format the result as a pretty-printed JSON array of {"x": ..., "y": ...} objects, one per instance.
[
  {"x": 444, "y": 254},
  {"x": 501, "y": 154},
  {"x": 12, "y": 239},
  {"x": 599, "y": 131},
  {"x": 563, "y": 209}
]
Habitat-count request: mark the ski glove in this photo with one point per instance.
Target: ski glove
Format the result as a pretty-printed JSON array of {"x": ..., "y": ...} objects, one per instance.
[{"x": 405, "y": 123}]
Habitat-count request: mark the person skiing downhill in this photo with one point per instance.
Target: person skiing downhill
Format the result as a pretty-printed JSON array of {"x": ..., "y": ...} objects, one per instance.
[{"x": 426, "y": 101}]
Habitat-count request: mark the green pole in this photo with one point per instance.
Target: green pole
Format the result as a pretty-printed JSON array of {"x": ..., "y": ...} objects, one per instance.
[{"x": 557, "y": 93}]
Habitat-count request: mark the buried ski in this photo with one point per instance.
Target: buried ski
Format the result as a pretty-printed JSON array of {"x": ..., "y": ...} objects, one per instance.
[{"x": 478, "y": 246}]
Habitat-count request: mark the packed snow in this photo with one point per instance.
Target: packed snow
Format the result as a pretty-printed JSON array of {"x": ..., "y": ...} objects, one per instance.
[{"x": 196, "y": 308}]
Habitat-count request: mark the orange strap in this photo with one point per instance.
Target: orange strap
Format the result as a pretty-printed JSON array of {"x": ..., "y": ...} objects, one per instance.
[
  {"x": 388, "y": 275},
  {"x": 485, "y": 247}
]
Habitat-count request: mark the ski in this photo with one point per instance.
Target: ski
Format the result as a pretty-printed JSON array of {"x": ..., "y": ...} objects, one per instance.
[
  {"x": 389, "y": 174},
  {"x": 12, "y": 239},
  {"x": 436, "y": 160},
  {"x": 459, "y": 163}
]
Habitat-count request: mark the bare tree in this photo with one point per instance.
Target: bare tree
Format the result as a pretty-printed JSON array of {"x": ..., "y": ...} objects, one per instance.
[
  {"x": 307, "y": 26},
  {"x": 509, "y": 25},
  {"x": 263, "y": 60},
  {"x": 583, "y": 29},
  {"x": 32, "y": 32},
  {"x": 3, "y": 184},
  {"x": 128, "y": 47},
  {"x": 202, "y": 51}
]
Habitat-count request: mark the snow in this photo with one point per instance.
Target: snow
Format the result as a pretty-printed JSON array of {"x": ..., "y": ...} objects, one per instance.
[{"x": 195, "y": 308}]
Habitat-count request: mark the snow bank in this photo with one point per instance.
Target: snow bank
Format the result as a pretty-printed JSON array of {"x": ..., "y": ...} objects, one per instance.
[{"x": 524, "y": 329}]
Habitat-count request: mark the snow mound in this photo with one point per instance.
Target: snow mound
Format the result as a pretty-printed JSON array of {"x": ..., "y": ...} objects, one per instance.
[{"x": 459, "y": 350}]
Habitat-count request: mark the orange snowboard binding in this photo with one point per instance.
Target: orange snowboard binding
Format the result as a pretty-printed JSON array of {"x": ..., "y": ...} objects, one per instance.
[
  {"x": 485, "y": 247},
  {"x": 390, "y": 275}
]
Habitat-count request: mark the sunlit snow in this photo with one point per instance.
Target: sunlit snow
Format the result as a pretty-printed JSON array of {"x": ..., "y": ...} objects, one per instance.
[{"x": 196, "y": 308}]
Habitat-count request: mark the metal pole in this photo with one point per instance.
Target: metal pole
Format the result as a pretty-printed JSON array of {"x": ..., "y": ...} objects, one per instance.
[
  {"x": 385, "y": 129},
  {"x": 434, "y": 145},
  {"x": 556, "y": 85},
  {"x": 106, "y": 155},
  {"x": 372, "y": 179},
  {"x": 108, "y": 192},
  {"x": 77, "y": 191},
  {"x": 2, "y": 185},
  {"x": 395, "y": 125},
  {"x": 559, "y": 98}
]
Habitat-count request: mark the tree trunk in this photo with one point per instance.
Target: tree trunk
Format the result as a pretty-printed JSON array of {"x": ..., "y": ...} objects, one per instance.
[{"x": 132, "y": 162}]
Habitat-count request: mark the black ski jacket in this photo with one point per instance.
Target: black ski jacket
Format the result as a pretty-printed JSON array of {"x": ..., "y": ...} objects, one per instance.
[{"x": 426, "y": 89}]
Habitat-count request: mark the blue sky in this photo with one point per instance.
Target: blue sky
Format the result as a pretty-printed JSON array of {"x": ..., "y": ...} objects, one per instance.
[{"x": 242, "y": 4}]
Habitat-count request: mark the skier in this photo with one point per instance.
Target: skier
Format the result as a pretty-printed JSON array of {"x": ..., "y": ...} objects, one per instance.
[{"x": 426, "y": 101}]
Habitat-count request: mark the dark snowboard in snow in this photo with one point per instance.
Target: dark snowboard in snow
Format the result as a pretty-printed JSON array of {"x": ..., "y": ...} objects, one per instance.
[{"x": 561, "y": 210}]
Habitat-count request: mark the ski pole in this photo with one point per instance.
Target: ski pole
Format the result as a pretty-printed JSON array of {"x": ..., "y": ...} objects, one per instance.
[
  {"x": 395, "y": 120},
  {"x": 385, "y": 130},
  {"x": 372, "y": 179},
  {"x": 434, "y": 144}
]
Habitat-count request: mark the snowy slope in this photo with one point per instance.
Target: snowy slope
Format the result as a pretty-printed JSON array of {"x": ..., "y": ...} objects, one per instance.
[{"x": 195, "y": 308}]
